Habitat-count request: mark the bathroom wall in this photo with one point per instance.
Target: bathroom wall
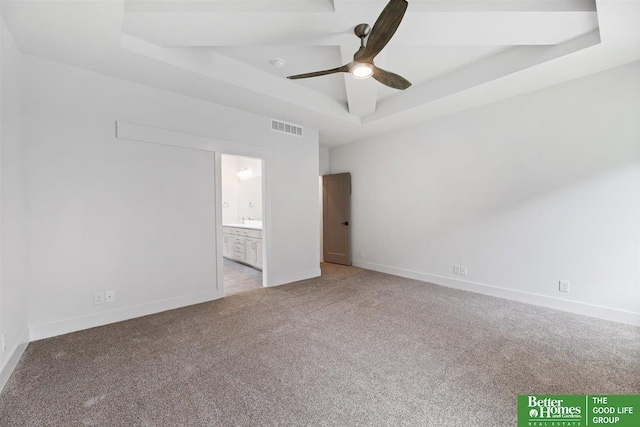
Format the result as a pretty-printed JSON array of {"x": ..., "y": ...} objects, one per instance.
[
  {"x": 229, "y": 189},
  {"x": 241, "y": 188}
]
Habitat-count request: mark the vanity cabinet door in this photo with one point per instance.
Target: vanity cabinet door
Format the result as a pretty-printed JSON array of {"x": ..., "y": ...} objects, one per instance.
[
  {"x": 259, "y": 253},
  {"x": 251, "y": 251},
  {"x": 226, "y": 245}
]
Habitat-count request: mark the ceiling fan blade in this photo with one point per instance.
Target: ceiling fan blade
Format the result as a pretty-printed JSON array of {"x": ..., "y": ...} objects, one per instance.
[
  {"x": 390, "y": 79},
  {"x": 384, "y": 28},
  {"x": 343, "y": 69}
]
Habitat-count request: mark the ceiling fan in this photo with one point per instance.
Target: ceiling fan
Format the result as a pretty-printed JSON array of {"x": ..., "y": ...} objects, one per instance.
[{"x": 362, "y": 65}]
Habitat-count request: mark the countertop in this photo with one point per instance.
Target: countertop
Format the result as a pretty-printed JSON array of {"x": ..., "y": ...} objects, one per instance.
[{"x": 248, "y": 226}]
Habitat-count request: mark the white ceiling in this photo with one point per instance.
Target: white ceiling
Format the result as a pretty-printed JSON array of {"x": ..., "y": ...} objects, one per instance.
[
  {"x": 298, "y": 60},
  {"x": 420, "y": 64},
  {"x": 457, "y": 53}
]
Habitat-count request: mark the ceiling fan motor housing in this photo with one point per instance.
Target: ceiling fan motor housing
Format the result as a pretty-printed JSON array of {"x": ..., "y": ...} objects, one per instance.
[{"x": 362, "y": 30}]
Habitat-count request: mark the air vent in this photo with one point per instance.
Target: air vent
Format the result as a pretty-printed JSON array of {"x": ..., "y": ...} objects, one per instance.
[{"x": 278, "y": 126}]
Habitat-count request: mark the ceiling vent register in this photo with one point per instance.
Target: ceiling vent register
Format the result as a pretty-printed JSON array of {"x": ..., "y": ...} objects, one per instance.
[{"x": 278, "y": 126}]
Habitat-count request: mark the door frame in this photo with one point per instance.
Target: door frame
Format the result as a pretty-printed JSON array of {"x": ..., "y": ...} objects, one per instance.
[
  {"x": 266, "y": 219},
  {"x": 347, "y": 222}
]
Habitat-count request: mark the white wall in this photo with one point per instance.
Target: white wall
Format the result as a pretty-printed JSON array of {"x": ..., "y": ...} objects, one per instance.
[
  {"x": 13, "y": 248},
  {"x": 242, "y": 198},
  {"x": 525, "y": 192},
  {"x": 250, "y": 189},
  {"x": 324, "y": 161},
  {"x": 108, "y": 213},
  {"x": 324, "y": 170},
  {"x": 229, "y": 189}
]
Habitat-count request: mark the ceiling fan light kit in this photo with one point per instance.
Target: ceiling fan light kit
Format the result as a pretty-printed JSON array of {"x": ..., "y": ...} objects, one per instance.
[
  {"x": 361, "y": 70},
  {"x": 362, "y": 66}
]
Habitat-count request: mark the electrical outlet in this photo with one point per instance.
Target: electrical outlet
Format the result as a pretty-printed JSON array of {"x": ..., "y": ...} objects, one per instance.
[
  {"x": 463, "y": 270},
  {"x": 110, "y": 296},
  {"x": 98, "y": 298},
  {"x": 564, "y": 286},
  {"x": 4, "y": 343},
  {"x": 456, "y": 269}
]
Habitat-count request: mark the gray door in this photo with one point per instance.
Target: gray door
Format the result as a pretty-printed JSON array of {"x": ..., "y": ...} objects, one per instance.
[{"x": 336, "y": 207}]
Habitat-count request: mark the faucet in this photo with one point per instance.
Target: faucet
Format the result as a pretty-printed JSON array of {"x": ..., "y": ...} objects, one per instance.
[{"x": 242, "y": 220}]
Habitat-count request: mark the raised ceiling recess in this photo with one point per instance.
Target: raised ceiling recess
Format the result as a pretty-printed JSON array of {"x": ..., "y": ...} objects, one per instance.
[{"x": 457, "y": 54}]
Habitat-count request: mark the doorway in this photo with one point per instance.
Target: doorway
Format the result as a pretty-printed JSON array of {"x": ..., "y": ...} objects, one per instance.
[
  {"x": 243, "y": 239},
  {"x": 336, "y": 214}
]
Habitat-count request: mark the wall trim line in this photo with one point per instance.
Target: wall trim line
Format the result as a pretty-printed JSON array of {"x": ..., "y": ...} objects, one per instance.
[
  {"x": 14, "y": 359},
  {"x": 576, "y": 307},
  {"x": 295, "y": 277},
  {"x": 49, "y": 330}
]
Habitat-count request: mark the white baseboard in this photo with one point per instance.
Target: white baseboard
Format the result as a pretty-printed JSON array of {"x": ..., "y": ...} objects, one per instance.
[
  {"x": 606, "y": 313},
  {"x": 66, "y": 326},
  {"x": 12, "y": 361},
  {"x": 295, "y": 277}
]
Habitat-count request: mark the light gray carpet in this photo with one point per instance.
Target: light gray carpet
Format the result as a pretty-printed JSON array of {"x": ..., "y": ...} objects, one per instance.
[
  {"x": 240, "y": 278},
  {"x": 351, "y": 348}
]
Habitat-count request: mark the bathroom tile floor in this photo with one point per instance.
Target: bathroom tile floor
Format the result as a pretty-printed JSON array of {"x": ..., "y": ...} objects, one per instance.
[{"x": 240, "y": 278}]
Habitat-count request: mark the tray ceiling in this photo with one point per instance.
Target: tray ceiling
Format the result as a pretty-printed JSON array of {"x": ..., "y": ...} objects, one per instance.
[{"x": 457, "y": 53}]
